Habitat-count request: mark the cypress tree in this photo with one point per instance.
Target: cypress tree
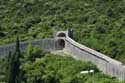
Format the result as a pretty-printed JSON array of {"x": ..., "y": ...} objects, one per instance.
[
  {"x": 14, "y": 63},
  {"x": 8, "y": 66},
  {"x": 18, "y": 46},
  {"x": 11, "y": 78}
]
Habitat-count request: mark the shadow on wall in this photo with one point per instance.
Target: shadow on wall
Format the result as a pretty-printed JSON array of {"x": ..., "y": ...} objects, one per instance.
[{"x": 61, "y": 35}]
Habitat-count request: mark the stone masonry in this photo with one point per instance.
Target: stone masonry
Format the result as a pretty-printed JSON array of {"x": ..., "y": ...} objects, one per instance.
[{"x": 62, "y": 40}]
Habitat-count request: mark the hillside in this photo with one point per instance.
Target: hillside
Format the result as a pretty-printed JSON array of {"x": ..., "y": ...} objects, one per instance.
[
  {"x": 56, "y": 69},
  {"x": 99, "y": 24}
]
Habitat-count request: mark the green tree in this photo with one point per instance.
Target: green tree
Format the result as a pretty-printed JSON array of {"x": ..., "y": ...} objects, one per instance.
[
  {"x": 14, "y": 63},
  {"x": 32, "y": 53},
  {"x": 28, "y": 72},
  {"x": 33, "y": 71}
]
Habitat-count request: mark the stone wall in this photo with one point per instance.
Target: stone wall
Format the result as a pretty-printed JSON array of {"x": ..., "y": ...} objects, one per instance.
[
  {"x": 44, "y": 44},
  {"x": 105, "y": 64}
]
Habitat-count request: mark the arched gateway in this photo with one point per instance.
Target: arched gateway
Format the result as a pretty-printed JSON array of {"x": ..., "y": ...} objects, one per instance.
[
  {"x": 63, "y": 40},
  {"x": 60, "y": 40},
  {"x": 60, "y": 44}
]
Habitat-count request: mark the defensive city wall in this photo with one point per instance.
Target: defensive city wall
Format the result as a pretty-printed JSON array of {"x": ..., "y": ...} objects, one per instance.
[
  {"x": 105, "y": 64},
  {"x": 44, "y": 44},
  {"x": 62, "y": 40}
]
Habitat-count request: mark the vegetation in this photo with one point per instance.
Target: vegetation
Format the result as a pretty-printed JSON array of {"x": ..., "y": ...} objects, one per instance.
[
  {"x": 13, "y": 65},
  {"x": 99, "y": 24},
  {"x": 51, "y": 69}
]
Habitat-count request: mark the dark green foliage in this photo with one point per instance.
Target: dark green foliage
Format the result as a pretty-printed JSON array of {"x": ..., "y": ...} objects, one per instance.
[
  {"x": 32, "y": 53},
  {"x": 33, "y": 75},
  {"x": 18, "y": 46},
  {"x": 104, "y": 19},
  {"x": 13, "y": 65},
  {"x": 3, "y": 65},
  {"x": 99, "y": 24},
  {"x": 61, "y": 69},
  {"x": 95, "y": 22},
  {"x": 51, "y": 69},
  {"x": 11, "y": 71}
]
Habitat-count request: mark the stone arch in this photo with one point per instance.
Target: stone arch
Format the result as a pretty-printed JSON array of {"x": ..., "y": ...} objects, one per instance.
[
  {"x": 61, "y": 35},
  {"x": 60, "y": 44}
]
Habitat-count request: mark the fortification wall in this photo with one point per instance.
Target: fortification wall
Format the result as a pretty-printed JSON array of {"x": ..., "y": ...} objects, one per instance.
[
  {"x": 105, "y": 64},
  {"x": 44, "y": 44}
]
